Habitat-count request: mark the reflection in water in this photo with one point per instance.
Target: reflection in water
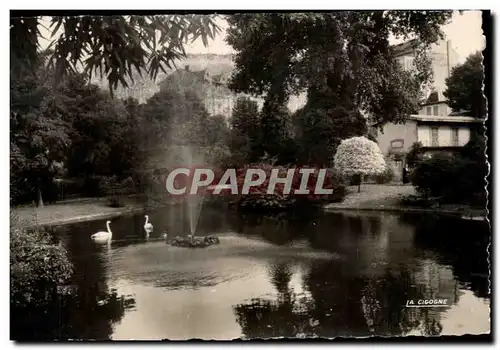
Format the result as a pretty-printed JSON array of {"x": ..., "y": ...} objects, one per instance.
[
  {"x": 91, "y": 308},
  {"x": 333, "y": 275}
]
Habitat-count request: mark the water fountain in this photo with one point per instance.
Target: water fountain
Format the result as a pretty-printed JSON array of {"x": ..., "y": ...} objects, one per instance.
[
  {"x": 194, "y": 202},
  {"x": 192, "y": 205}
]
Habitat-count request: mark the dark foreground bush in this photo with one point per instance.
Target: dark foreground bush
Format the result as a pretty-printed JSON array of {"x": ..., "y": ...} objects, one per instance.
[
  {"x": 38, "y": 268},
  {"x": 451, "y": 178}
]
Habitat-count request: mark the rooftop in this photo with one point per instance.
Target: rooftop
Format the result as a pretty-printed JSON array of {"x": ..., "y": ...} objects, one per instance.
[{"x": 405, "y": 48}]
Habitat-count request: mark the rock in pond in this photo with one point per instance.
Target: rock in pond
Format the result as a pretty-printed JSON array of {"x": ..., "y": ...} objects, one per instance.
[{"x": 193, "y": 241}]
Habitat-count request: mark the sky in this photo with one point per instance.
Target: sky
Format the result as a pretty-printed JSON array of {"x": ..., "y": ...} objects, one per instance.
[{"x": 464, "y": 31}]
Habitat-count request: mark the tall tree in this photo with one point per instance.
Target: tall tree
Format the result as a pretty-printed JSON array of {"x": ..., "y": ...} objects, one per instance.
[
  {"x": 39, "y": 133},
  {"x": 276, "y": 130},
  {"x": 245, "y": 132},
  {"x": 110, "y": 45},
  {"x": 346, "y": 53},
  {"x": 465, "y": 87}
]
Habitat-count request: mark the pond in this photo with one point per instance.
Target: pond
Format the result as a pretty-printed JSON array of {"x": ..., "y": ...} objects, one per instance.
[{"x": 328, "y": 275}]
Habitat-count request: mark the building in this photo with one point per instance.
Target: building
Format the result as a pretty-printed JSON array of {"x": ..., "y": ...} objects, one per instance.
[
  {"x": 210, "y": 88},
  {"x": 209, "y": 77},
  {"x": 435, "y": 133},
  {"x": 443, "y": 58},
  {"x": 435, "y": 126}
]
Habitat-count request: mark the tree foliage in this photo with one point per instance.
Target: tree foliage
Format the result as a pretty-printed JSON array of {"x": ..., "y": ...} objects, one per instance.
[
  {"x": 415, "y": 154},
  {"x": 73, "y": 129},
  {"x": 452, "y": 179},
  {"x": 39, "y": 131},
  {"x": 109, "y": 45},
  {"x": 259, "y": 200},
  {"x": 320, "y": 129},
  {"x": 244, "y": 138},
  {"x": 276, "y": 137},
  {"x": 465, "y": 87},
  {"x": 359, "y": 156},
  {"x": 344, "y": 55},
  {"x": 38, "y": 268}
]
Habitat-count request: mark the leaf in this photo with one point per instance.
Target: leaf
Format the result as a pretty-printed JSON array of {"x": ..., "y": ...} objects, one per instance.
[{"x": 58, "y": 21}]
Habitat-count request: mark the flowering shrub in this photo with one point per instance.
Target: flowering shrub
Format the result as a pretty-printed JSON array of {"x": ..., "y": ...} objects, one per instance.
[
  {"x": 258, "y": 198},
  {"x": 359, "y": 156}
]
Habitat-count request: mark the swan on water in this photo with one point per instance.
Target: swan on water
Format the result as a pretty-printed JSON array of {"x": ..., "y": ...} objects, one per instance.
[
  {"x": 148, "y": 227},
  {"x": 103, "y": 235}
]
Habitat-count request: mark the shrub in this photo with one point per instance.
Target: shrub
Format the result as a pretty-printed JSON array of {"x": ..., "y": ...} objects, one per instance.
[
  {"x": 414, "y": 155},
  {"x": 38, "y": 268},
  {"x": 385, "y": 177},
  {"x": 116, "y": 201},
  {"x": 117, "y": 190},
  {"x": 259, "y": 200},
  {"x": 432, "y": 176},
  {"x": 417, "y": 201},
  {"x": 95, "y": 186},
  {"x": 451, "y": 178}
]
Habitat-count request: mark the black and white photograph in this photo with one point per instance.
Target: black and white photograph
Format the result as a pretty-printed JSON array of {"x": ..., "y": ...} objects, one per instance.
[{"x": 249, "y": 175}]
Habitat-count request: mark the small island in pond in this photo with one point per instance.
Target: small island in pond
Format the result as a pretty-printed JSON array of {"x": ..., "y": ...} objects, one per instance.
[{"x": 193, "y": 241}]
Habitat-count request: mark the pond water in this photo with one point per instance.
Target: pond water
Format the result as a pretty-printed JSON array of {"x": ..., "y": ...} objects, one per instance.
[{"x": 330, "y": 275}]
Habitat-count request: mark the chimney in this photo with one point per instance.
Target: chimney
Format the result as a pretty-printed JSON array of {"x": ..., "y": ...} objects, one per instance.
[{"x": 186, "y": 67}]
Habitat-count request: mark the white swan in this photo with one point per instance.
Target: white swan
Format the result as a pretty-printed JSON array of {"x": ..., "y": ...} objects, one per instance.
[
  {"x": 103, "y": 235},
  {"x": 148, "y": 227}
]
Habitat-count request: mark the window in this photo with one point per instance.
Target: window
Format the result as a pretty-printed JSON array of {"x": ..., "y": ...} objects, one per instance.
[
  {"x": 408, "y": 63},
  {"x": 429, "y": 110},
  {"x": 397, "y": 143},
  {"x": 454, "y": 136},
  {"x": 434, "y": 136},
  {"x": 435, "y": 110}
]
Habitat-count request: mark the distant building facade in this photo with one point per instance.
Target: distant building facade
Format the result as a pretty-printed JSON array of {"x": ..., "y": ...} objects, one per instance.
[
  {"x": 211, "y": 89},
  {"x": 435, "y": 126},
  {"x": 443, "y": 58}
]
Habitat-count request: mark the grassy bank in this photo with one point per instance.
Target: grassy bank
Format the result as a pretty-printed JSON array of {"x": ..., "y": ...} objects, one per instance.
[{"x": 64, "y": 213}]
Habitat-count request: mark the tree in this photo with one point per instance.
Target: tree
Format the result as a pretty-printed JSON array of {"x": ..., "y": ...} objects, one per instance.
[
  {"x": 276, "y": 131},
  {"x": 113, "y": 45},
  {"x": 465, "y": 87},
  {"x": 359, "y": 156},
  {"x": 245, "y": 133},
  {"x": 343, "y": 55},
  {"x": 321, "y": 127},
  {"x": 414, "y": 155},
  {"x": 74, "y": 127},
  {"x": 105, "y": 140},
  {"x": 38, "y": 132}
]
